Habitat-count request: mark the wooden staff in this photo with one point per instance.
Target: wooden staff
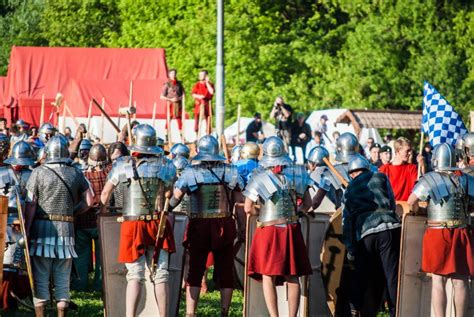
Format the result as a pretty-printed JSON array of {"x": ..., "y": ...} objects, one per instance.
[
  {"x": 102, "y": 122},
  {"x": 89, "y": 115},
  {"x": 238, "y": 125},
  {"x": 422, "y": 137},
  {"x": 183, "y": 116},
  {"x": 224, "y": 148},
  {"x": 154, "y": 115},
  {"x": 336, "y": 172},
  {"x": 118, "y": 120},
  {"x": 106, "y": 115},
  {"x": 209, "y": 119},
  {"x": 64, "y": 117},
  {"x": 42, "y": 110},
  {"x": 3, "y": 228},
  {"x": 66, "y": 108},
  {"x": 135, "y": 113},
  {"x": 201, "y": 117},
  {"x": 168, "y": 123}
]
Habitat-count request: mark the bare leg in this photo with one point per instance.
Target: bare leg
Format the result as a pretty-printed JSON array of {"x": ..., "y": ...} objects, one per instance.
[
  {"x": 269, "y": 292},
  {"x": 294, "y": 293},
  {"x": 192, "y": 299},
  {"x": 62, "y": 308},
  {"x": 132, "y": 295},
  {"x": 461, "y": 295},
  {"x": 161, "y": 297},
  {"x": 226, "y": 299},
  {"x": 204, "y": 282},
  {"x": 438, "y": 295}
]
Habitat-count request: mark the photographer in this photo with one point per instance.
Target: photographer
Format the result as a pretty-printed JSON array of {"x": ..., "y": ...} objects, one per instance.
[{"x": 282, "y": 113}]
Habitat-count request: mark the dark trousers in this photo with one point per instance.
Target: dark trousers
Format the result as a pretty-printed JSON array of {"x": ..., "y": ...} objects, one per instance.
[{"x": 375, "y": 250}]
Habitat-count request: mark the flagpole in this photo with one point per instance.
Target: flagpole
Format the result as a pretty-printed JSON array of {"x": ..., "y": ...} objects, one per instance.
[{"x": 422, "y": 137}]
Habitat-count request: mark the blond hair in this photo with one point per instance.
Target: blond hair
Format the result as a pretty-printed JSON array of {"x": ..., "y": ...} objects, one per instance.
[{"x": 401, "y": 142}]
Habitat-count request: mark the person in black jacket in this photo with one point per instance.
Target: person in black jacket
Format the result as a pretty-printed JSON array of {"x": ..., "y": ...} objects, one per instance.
[{"x": 300, "y": 134}]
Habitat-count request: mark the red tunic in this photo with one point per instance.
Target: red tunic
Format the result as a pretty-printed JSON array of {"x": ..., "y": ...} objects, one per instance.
[
  {"x": 448, "y": 251},
  {"x": 135, "y": 236},
  {"x": 278, "y": 251},
  {"x": 402, "y": 178}
]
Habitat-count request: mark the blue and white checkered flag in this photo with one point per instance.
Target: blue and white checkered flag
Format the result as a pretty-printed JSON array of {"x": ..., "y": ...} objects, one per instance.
[{"x": 440, "y": 121}]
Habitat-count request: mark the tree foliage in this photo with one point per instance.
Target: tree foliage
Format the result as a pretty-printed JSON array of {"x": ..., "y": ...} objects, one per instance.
[{"x": 317, "y": 54}]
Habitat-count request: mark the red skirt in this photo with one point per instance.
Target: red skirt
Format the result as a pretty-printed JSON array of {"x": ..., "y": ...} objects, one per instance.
[
  {"x": 448, "y": 251},
  {"x": 135, "y": 236},
  {"x": 278, "y": 251}
]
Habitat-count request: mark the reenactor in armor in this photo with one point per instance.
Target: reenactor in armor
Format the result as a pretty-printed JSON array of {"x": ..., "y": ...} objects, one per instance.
[
  {"x": 45, "y": 132},
  {"x": 371, "y": 233},
  {"x": 13, "y": 181},
  {"x": 179, "y": 149},
  {"x": 248, "y": 160},
  {"x": 117, "y": 151},
  {"x": 84, "y": 149},
  {"x": 347, "y": 146},
  {"x": 322, "y": 176},
  {"x": 4, "y": 148},
  {"x": 278, "y": 252},
  {"x": 145, "y": 177},
  {"x": 210, "y": 183},
  {"x": 468, "y": 141},
  {"x": 448, "y": 242},
  {"x": 86, "y": 223},
  {"x": 56, "y": 193}
]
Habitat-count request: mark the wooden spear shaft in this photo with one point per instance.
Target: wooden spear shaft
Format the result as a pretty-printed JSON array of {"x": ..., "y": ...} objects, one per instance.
[
  {"x": 154, "y": 115},
  {"x": 183, "y": 116},
  {"x": 89, "y": 115},
  {"x": 106, "y": 115},
  {"x": 238, "y": 125},
  {"x": 42, "y": 110},
  {"x": 102, "y": 122}
]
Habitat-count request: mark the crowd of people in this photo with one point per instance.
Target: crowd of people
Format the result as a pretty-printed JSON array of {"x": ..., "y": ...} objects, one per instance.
[{"x": 61, "y": 182}]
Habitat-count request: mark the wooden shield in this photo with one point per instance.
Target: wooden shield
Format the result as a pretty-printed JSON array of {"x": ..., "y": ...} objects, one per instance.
[
  {"x": 114, "y": 273},
  {"x": 3, "y": 231},
  {"x": 414, "y": 286}
]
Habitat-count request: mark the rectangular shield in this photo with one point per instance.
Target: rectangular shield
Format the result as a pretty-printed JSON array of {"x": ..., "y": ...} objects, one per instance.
[
  {"x": 333, "y": 255},
  {"x": 414, "y": 286},
  {"x": 114, "y": 273},
  {"x": 3, "y": 231}
]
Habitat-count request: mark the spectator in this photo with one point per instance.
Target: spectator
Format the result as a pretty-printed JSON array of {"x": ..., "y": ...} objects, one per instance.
[
  {"x": 202, "y": 92},
  {"x": 173, "y": 92},
  {"x": 375, "y": 155},
  {"x": 3, "y": 126},
  {"x": 316, "y": 141},
  {"x": 254, "y": 128},
  {"x": 402, "y": 175},
  {"x": 300, "y": 135},
  {"x": 282, "y": 113},
  {"x": 427, "y": 153},
  {"x": 368, "y": 145},
  {"x": 385, "y": 154},
  {"x": 321, "y": 126}
]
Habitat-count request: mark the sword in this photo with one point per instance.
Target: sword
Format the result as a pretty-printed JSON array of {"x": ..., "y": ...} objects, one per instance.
[
  {"x": 25, "y": 239},
  {"x": 159, "y": 237}
]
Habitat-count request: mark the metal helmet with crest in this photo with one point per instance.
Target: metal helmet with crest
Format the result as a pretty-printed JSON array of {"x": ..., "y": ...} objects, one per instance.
[
  {"x": 22, "y": 154},
  {"x": 250, "y": 150},
  {"x": 274, "y": 153},
  {"x": 57, "y": 150},
  {"x": 145, "y": 141},
  {"x": 317, "y": 154},
  {"x": 444, "y": 158},
  {"x": 208, "y": 150},
  {"x": 347, "y": 146}
]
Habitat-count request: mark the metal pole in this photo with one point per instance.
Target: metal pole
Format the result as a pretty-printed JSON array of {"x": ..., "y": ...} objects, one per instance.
[{"x": 220, "y": 108}]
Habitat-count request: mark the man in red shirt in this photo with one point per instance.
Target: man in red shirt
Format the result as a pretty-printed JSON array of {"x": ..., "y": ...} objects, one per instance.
[
  {"x": 202, "y": 93},
  {"x": 401, "y": 174}
]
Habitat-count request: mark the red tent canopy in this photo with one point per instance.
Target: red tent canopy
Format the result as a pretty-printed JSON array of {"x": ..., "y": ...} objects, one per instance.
[
  {"x": 37, "y": 71},
  {"x": 116, "y": 93}
]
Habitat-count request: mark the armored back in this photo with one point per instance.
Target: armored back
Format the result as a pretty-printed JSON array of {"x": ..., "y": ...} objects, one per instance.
[
  {"x": 278, "y": 207},
  {"x": 210, "y": 200}
]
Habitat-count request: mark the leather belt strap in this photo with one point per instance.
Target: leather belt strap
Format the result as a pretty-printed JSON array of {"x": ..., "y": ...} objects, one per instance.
[
  {"x": 210, "y": 215},
  {"x": 448, "y": 223},
  {"x": 63, "y": 218},
  {"x": 155, "y": 216},
  {"x": 279, "y": 221}
]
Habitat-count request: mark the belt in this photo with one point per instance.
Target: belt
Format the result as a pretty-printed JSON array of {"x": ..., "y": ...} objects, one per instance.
[
  {"x": 279, "y": 221},
  {"x": 63, "y": 218},
  {"x": 448, "y": 223},
  {"x": 210, "y": 215},
  {"x": 139, "y": 218}
]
